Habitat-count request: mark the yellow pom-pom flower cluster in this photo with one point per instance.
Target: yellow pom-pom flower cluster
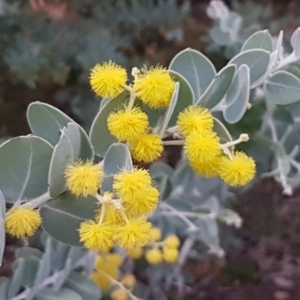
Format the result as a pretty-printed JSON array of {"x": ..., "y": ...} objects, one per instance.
[
  {"x": 127, "y": 124},
  {"x": 164, "y": 251},
  {"x": 83, "y": 178},
  {"x": 154, "y": 87},
  {"x": 146, "y": 148},
  {"x": 107, "y": 265},
  {"x": 107, "y": 275},
  {"x": 205, "y": 153},
  {"x": 122, "y": 221},
  {"x": 22, "y": 221},
  {"x": 108, "y": 80},
  {"x": 131, "y": 125}
]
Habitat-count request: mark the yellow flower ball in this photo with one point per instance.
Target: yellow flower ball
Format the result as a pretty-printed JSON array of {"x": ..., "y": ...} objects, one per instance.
[
  {"x": 103, "y": 281},
  {"x": 154, "y": 256},
  {"x": 127, "y": 125},
  {"x": 135, "y": 252},
  {"x": 155, "y": 87},
  {"x": 108, "y": 80},
  {"x": 202, "y": 146},
  {"x": 142, "y": 202},
  {"x": 128, "y": 280},
  {"x": 108, "y": 263},
  {"x": 155, "y": 234},
  {"x": 194, "y": 118},
  {"x": 22, "y": 222},
  {"x": 83, "y": 178},
  {"x": 238, "y": 170},
  {"x": 96, "y": 236},
  {"x": 146, "y": 148},
  {"x": 128, "y": 183},
  {"x": 112, "y": 216},
  {"x": 170, "y": 255},
  {"x": 172, "y": 241},
  {"x": 208, "y": 169},
  {"x": 133, "y": 234},
  {"x": 108, "y": 260},
  {"x": 119, "y": 294}
]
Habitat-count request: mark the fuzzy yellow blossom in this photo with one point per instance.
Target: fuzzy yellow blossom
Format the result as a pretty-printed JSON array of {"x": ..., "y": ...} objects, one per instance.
[
  {"x": 237, "y": 170},
  {"x": 133, "y": 234},
  {"x": 112, "y": 215},
  {"x": 143, "y": 202},
  {"x": 154, "y": 256},
  {"x": 108, "y": 80},
  {"x": 172, "y": 241},
  {"x": 135, "y": 252},
  {"x": 146, "y": 148},
  {"x": 96, "y": 236},
  {"x": 22, "y": 222},
  {"x": 127, "y": 125},
  {"x": 106, "y": 263},
  {"x": 119, "y": 294},
  {"x": 194, "y": 118},
  {"x": 202, "y": 146},
  {"x": 128, "y": 183},
  {"x": 155, "y": 87},
  {"x": 83, "y": 178},
  {"x": 170, "y": 255},
  {"x": 208, "y": 169},
  {"x": 128, "y": 280},
  {"x": 155, "y": 234}
]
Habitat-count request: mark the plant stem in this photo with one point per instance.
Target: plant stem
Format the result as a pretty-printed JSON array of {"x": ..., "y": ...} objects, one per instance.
[
  {"x": 38, "y": 201},
  {"x": 132, "y": 96},
  {"x": 116, "y": 282},
  {"x": 174, "y": 142},
  {"x": 180, "y": 215}
]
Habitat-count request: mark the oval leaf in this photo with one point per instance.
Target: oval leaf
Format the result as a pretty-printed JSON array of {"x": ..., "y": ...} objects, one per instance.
[
  {"x": 24, "y": 164},
  {"x": 185, "y": 97},
  {"x": 195, "y": 68},
  {"x": 66, "y": 151},
  {"x": 259, "y": 40},
  {"x": 278, "y": 45},
  {"x": 221, "y": 131},
  {"x": 236, "y": 109},
  {"x": 4, "y": 285},
  {"x": 2, "y": 239},
  {"x": 47, "y": 122},
  {"x": 100, "y": 136},
  {"x": 117, "y": 158},
  {"x": 63, "y": 293},
  {"x": 257, "y": 61},
  {"x": 169, "y": 111},
  {"x": 18, "y": 279},
  {"x": 83, "y": 286},
  {"x": 282, "y": 88},
  {"x": 2, "y": 226},
  {"x": 218, "y": 88},
  {"x": 295, "y": 42},
  {"x": 62, "y": 217}
]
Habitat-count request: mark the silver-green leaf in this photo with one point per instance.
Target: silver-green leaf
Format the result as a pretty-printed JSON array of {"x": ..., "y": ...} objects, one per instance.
[
  {"x": 257, "y": 61},
  {"x": 47, "y": 122},
  {"x": 24, "y": 164},
  {"x": 66, "y": 151},
  {"x": 100, "y": 136},
  {"x": 236, "y": 109},
  {"x": 218, "y": 87},
  {"x": 62, "y": 217},
  {"x": 259, "y": 40},
  {"x": 282, "y": 88},
  {"x": 195, "y": 68}
]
